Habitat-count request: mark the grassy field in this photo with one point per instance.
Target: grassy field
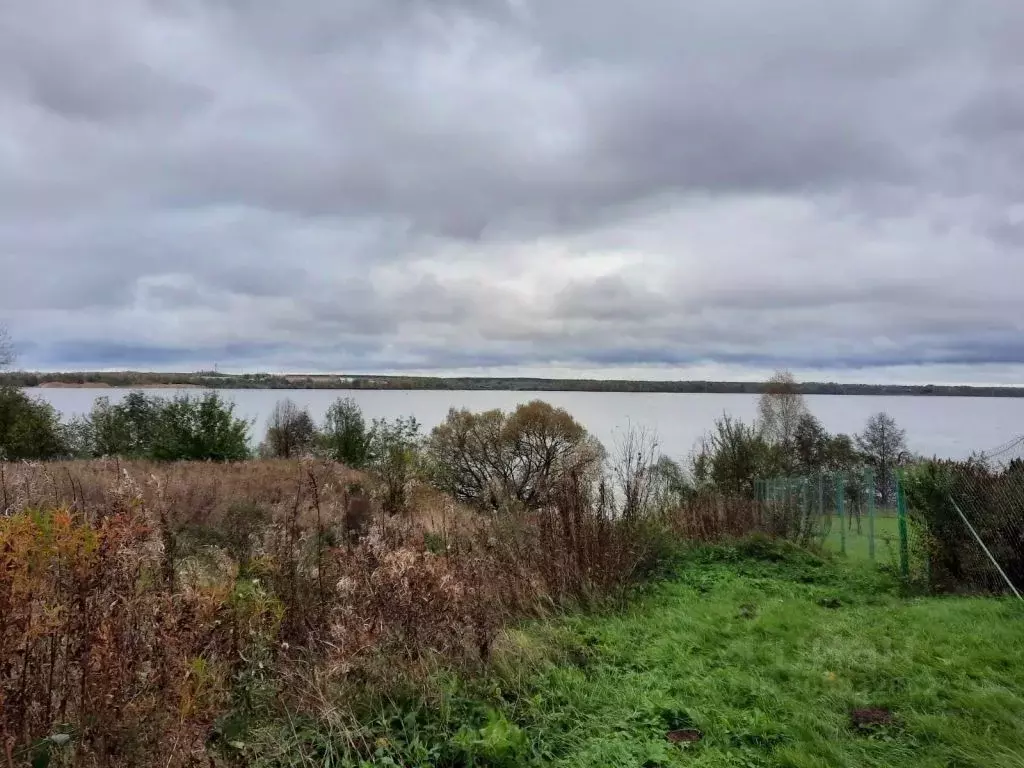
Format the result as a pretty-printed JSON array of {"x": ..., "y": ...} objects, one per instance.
[
  {"x": 761, "y": 661},
  {"x": 858, "y": 540}
]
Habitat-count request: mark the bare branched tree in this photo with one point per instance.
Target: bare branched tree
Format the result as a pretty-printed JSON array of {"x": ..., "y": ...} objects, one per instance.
[
  {"x": 290, "y": 431},
  {"x": 780, "y": 412},
  {"x": 634, "y": 471}
]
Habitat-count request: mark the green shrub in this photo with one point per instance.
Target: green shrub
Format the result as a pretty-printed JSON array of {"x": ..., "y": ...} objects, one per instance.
[
  {"x": 486, "y": 459},
  {"x": 733, "y": 456},
  {"x": 935, "y": 490},
  {"x": 344, "y": 437},
  {"x": 180, "y": 428},
  {"x": 127, "y": 428},
  {"x": 200, "y": 428},
  {"x": 29, "y": 429},
  {"x": 393, "y": 455}
]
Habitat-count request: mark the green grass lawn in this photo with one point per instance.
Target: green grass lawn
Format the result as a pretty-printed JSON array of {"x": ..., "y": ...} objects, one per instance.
[
  {"x": 764, "y": 651},
  {"x": 766, "y": 660},
  {"x": 857, "y": 540}
]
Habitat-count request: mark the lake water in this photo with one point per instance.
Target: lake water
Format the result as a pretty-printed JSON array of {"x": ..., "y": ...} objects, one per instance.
[{"x": 944, "y": 426}]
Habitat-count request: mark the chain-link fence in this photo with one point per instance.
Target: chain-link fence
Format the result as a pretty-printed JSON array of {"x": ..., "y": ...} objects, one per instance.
[
  {"x": 852, "y": 512},
  {"x": 954, "y": 525},
  {"x": 973, "y": 515}
]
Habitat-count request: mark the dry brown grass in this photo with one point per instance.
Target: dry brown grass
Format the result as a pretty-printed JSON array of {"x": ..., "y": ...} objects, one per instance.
[
  {"x": 140, "y": 602},
  {"x": 710, "y": 517},
  {"x": 196, "y": 493},
  {"x": 93, "y": 647}
]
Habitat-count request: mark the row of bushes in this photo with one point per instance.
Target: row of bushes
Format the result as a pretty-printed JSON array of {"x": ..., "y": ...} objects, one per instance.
[
  {"x": 487, "y": 460},
  {"x": 168, "y": 429},
  {"x": 481, "y": 458},
  {"x": 200, "y": 427}
]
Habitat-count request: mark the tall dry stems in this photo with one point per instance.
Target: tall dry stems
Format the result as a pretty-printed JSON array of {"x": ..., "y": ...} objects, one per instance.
[{"x": 142, "y": 603}]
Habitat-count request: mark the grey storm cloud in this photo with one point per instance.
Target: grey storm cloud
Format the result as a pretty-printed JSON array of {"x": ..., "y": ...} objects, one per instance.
[{"x": 512, "y": 184}]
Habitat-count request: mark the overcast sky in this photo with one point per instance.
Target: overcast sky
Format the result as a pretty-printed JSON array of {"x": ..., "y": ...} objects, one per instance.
[{"x": 660, "y": 189}]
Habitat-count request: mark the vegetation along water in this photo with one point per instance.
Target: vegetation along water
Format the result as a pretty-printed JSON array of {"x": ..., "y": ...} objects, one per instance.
[{"x": 501, "y": 589}]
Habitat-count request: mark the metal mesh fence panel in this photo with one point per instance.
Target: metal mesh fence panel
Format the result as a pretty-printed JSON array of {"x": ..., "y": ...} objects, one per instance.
[
  {"x": 851, "y": 512},
  {"x": 793, "y": 507},
  {"x": 956, "y": 525},
  {"x": 972, "y": 515}
]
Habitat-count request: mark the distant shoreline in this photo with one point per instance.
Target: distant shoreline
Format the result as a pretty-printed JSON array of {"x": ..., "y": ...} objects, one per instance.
[
  {"x": 212, "y": 380},
  {"x": 107, "y": 385}
]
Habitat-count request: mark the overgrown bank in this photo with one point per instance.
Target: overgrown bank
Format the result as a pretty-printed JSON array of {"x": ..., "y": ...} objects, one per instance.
[
  {"x": 158, "y": 614},
  {"x": 321, "y": 605},
  {"x": 253, "y": 614}
]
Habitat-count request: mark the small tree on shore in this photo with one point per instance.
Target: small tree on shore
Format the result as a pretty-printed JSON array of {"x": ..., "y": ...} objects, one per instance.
[
  {"x": 29, "y": 429},
  {"x": 126, "y": 428},
  {"x": 732, "y": 457},
  {"x": 200, "y": 429},
  {"x": 672, "y": 484},
  {"x": 884, "y": 446},
  {"x": 781, "y": 410},
  {"x": 489, "y": 458},
  {"x": 290, "y": 431},
  {"x": 841, "y": 453},
  {"x": 344, "y": 437},
  {"x": 810, "y": 445},
  {"x": 393, "y": 455}
]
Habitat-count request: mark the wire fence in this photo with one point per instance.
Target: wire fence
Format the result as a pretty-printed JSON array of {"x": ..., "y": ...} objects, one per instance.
[
  {"x": 851, "y": 512},
  {"x": 956, "y": 525},
  {"x": 997, "y": 504},
  {"x": 973, "y": 512}
]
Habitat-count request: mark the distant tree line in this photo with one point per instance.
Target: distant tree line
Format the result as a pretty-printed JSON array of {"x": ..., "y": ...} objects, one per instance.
[{"x": 213, "y": 380}]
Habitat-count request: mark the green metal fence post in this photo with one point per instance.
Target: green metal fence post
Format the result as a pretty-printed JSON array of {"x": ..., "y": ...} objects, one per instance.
[
  {"x": 805, "y": 510},
  {"x": 901, "y": 519},
  {"x": 840, "y": 508},
  {"x": 789, "y": 503},
  {"x": 869, "y": 482},
  {"x": 821, "y": 498}
]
